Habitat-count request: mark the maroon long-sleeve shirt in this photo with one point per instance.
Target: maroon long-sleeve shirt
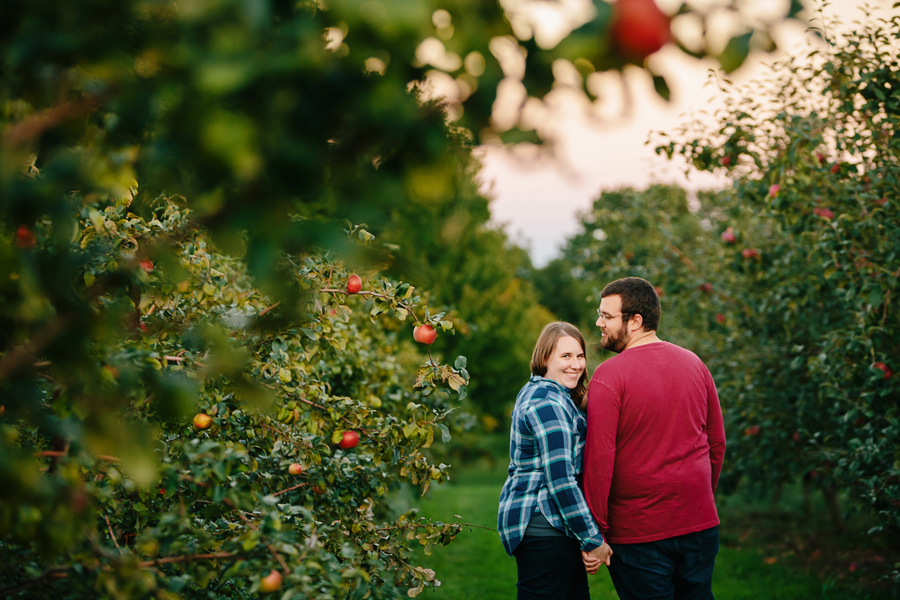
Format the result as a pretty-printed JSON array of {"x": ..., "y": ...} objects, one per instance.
[{"x": 655, "y": 444}]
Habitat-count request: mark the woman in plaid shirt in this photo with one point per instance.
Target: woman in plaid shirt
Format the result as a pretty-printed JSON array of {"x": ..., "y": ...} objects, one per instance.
[{"x": 544, "y": 520}]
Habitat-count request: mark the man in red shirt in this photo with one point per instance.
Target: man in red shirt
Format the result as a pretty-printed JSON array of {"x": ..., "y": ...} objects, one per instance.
[{"x": 654, "y": 450}]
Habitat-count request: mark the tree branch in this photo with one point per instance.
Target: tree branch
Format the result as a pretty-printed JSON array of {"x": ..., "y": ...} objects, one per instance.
[{"x": 37, "y": 123}]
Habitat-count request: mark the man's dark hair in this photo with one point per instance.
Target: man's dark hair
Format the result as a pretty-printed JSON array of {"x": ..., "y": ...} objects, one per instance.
[{"x": 638, "y": 298}]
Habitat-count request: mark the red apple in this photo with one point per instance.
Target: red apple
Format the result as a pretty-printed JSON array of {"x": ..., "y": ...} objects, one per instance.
[
  {"x": 720, "y": 318},
  {"x": 202, "y": 421},
  {"x": 349, "y": 440},
  {"x": 728, "y": 236},
  {"x": 354, "y": 284},
  {"x": 24, "y": 238},
  {"x": 883, "y": 367},
  {"x": 270, "y": 582},
  {"x": 295, "y": 469},
  {"x": 725, "y": 161},
  {"x": 836, "y": 167},
  {"x": 639, "y": 28},
  {"x": 820, "y": 157},
  {"x": 147, "y": 265},
  {"x": 774, "y": 189},
  {"x": 318, "y": 489},
  {"x": 752, "y": 430},
  {"x": 796, "y": 436},
  {"x": 749, "y": 252},
  {"x": 705, "y": 287},
  {"x": 659, "y": 291},
  {"x": 823, "y": 212},
  {"x": 425, "y": 334}
]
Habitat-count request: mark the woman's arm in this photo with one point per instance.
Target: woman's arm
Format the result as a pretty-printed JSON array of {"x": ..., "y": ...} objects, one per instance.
[{"x": 553, "y": 431}]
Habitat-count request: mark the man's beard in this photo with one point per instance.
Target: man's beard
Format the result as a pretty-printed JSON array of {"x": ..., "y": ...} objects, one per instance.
[{"x": 615, "y": 343}]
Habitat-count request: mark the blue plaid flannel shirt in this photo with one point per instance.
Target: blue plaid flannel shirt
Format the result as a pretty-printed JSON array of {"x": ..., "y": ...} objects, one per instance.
[{"x": 545, "y": 447}]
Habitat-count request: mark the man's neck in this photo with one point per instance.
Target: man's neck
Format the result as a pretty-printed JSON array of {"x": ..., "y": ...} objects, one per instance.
[{"x": 642, "y": 339}]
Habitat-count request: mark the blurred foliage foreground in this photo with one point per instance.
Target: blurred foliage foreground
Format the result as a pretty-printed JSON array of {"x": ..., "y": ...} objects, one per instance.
[{"x": 170, "y": 177}]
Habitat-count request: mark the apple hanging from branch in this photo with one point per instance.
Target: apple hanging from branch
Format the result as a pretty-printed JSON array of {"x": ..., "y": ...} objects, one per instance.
[
  {"x": 270, "y": 582},
  {"x": 354, "y": 284},
  {"x": 349, "y": 439},
  {"x": 425, "y": 334}
]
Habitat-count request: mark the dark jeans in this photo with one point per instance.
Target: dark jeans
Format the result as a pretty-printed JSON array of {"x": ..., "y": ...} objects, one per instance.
[
  {"x": 676, "y": 568},
  {"x": 550, "y": 568}
]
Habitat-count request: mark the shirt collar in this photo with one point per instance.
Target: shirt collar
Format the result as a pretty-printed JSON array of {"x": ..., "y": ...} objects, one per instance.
[{"x": 561, "y": 387}]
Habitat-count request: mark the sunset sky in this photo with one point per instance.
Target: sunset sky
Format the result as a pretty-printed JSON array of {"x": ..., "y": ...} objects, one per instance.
[{"x": 538, "y": 198}]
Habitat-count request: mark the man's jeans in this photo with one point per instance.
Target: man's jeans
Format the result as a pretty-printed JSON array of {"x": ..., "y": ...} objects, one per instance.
[{"x": 678, "y": 568}]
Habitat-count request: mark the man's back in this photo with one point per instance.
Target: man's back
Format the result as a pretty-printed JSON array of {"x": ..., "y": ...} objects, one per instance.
[{"x": 655, "y": 444}]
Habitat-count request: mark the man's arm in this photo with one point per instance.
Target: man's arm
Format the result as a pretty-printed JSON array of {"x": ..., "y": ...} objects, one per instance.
[
  {"x": 600, "y": 448},
  {"x": 715, "y": 430}
]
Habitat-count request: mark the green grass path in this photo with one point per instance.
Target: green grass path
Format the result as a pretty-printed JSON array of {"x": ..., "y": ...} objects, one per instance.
[{"x": 475, "y": 566}]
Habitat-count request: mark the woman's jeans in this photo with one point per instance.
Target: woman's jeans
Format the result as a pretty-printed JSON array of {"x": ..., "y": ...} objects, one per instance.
[
  {"x": 676, "y": 568},
  {"x": 550, "y": 568}
]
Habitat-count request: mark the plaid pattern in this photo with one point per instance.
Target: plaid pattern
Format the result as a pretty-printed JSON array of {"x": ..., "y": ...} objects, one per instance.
[{"x": 545, "y": 448}]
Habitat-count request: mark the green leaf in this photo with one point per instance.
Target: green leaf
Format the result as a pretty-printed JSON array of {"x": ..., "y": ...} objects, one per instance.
[
  {"x": 460, "y": 363},
  {"x": 445, "y": 432},
  {"x": 661, "y": 87},
  {"x": 735, "y": 52}
]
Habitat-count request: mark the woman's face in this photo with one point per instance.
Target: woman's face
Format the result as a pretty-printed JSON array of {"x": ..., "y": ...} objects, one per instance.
[{"x": 566, "y": 364}]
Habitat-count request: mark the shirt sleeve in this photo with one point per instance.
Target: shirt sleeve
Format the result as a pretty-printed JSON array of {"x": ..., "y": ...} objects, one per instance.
[
  {"x": 715, "y": 431},
  {"x": 603, "y": 410},
  {"x": 553, "y": 432}
]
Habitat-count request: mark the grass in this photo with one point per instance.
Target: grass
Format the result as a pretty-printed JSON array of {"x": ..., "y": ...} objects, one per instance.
[{"x": 765, "y": 551}]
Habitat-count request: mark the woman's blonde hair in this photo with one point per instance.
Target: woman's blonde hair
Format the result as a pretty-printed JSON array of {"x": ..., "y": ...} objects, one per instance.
[{"x": 546, "y": 345}]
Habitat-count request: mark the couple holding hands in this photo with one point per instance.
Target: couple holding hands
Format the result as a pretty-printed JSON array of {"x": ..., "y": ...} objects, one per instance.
[{"x": 621, "y": 471}]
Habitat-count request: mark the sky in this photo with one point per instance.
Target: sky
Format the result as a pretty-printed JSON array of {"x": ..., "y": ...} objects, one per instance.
[{"x": 537, "y": 197}]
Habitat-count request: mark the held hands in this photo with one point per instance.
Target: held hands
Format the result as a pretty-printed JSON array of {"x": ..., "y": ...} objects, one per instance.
[{"x": 596, "y": 557}]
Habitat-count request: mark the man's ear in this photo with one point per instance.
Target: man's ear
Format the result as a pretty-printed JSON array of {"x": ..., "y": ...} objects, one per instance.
[{"x": 636, "y": 322}]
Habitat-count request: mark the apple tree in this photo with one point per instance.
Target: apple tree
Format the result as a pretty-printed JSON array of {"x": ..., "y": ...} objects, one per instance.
[
  {"x": 813, "y": 254},
  {"x": 303, "y": 427}
]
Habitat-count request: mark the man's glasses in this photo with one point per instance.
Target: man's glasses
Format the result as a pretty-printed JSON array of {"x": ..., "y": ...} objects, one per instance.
[{"x": 607, "y": 317}]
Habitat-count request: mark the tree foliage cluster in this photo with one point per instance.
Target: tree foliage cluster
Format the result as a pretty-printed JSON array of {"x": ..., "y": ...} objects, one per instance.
[
  {"x": 787, "y": 283},
  {"x": 172, "y": 176}
]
